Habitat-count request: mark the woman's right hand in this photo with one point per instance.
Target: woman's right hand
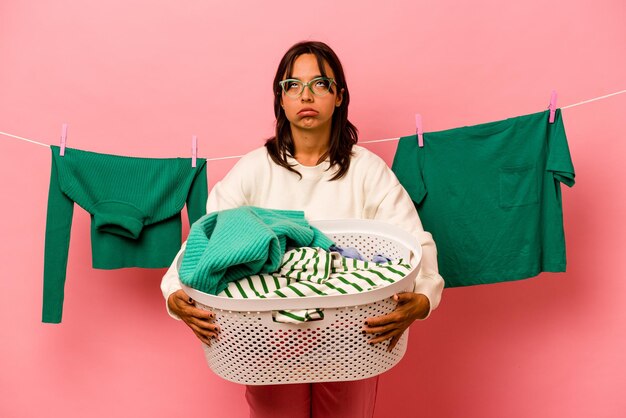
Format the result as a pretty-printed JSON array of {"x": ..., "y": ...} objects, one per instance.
[{"x": 199, "y": 320}]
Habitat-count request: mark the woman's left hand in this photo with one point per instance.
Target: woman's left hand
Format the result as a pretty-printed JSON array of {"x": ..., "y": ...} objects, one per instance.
[{"x": 411, "y": 306}]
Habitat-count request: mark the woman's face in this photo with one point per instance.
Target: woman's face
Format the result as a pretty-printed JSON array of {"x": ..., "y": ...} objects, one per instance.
[{"x": 310, "y": 112}]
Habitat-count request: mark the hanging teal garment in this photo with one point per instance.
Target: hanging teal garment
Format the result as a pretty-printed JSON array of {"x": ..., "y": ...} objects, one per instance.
[
  {"x": 490, "y": 194},
  {"x": 135, "y": 206}
]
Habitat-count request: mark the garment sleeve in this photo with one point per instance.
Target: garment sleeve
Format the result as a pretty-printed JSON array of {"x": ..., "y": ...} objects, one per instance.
[
  {"x": 406, "y": 166},
  {"x": 233, "y": 190},
  {"x": 228, "y": 193},
  {"x": 56, "y": 248},
  {"x": 559, "y": 158},
  {"x": 170, "y": 282},
  {"x": 197, "y": 197},
  {"x": 394, "y": 205}
]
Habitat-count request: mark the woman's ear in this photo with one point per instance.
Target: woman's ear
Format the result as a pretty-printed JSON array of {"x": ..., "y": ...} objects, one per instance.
[{"x": 339, "y": 98}]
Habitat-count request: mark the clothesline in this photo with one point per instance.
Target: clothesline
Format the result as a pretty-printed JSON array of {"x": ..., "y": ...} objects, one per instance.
[{"x": 361, "y": 142}]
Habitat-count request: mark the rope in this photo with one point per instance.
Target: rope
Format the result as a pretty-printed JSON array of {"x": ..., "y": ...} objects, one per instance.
[{"x": 362, "y": 142}]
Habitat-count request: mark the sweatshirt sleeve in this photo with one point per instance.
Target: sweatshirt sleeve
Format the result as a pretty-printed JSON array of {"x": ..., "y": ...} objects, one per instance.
[
  {"x": 234, "y": 189},
  {"x": 226, "y": 194},
  {"x": 56, "y": 248},
  {"x": 170, "y": 282},
  {"x": 391, "y": 203},
  {"x": 397, "y": 208}
]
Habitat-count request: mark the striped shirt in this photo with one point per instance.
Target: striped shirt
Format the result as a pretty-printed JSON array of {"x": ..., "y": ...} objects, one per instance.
[{"x": 309, "y": 271}]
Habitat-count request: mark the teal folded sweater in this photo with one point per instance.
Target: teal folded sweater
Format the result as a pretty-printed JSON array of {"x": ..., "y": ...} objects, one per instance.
[{"x": 227, "y": 245}]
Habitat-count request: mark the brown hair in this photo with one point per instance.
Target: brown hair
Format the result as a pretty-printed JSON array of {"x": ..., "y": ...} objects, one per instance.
[{"x": 343, "y": 134}]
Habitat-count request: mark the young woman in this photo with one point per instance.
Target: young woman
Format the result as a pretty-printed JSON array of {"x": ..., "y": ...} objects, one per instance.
[{"x": 313, "y": 164}]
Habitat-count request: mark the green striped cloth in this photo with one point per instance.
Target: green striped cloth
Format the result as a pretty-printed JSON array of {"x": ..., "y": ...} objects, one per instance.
[{"x": 311, "y": 271}]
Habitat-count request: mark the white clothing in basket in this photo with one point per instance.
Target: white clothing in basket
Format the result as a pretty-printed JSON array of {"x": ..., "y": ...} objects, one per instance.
[{"x": 308, "y": 271}]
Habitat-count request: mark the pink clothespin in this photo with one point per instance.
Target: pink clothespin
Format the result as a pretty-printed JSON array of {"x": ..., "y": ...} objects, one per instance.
[
  {"x": 419, "y": 130},
  {"x": 194, "y": 150},
  {"x": 63, "y": 139},
  {"x": 552, "y": 106}
]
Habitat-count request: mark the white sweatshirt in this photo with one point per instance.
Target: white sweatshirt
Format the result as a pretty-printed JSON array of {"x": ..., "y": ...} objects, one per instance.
[{"x": 369, "y": 190}]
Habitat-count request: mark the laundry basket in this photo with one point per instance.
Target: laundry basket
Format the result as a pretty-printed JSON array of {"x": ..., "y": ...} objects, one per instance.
[{"x": 252, "y": 349}]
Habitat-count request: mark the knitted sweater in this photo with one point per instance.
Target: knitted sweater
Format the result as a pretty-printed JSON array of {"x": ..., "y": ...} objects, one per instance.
[
  {"x": 135, "y": 206},
  {"x": 369, "y": 190},
  {"x": 228, "y": 245}
]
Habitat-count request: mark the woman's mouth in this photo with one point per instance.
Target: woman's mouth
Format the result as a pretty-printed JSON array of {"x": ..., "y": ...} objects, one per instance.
[{"x": 307, "y": 112}]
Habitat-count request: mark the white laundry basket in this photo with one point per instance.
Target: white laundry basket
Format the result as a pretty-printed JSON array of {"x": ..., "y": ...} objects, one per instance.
[{"x": 253, "y": 349}]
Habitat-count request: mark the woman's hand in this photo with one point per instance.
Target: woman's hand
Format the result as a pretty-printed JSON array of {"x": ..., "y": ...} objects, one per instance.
[
  {"x": 411, "y": 306},
  {"x": 199, "y": 320}
]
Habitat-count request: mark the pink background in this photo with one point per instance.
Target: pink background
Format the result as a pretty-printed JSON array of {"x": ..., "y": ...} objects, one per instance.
[{"x": 140, "y": 78}]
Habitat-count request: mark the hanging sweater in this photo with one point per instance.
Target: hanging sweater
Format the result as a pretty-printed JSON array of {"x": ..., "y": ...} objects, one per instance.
[
  {"x": 369, "y": 190},
  {"x": 135, "y": 206},
  {"x": 225, "y": 246}
]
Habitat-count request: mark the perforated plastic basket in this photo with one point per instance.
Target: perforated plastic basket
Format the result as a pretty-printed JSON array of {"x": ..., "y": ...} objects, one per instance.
[{"x": 253, "y": 349}]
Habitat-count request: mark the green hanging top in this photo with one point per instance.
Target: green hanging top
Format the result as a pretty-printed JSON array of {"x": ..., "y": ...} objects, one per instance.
[
  {"x": 135, "y": 206},
  {"x": 490, "y": 194}
]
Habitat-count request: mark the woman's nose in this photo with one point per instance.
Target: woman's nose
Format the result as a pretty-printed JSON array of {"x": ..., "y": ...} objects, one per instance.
[{"x": 306, "y": 96}]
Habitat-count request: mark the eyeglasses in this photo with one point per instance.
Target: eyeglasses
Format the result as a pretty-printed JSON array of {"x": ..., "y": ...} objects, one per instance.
[{"x": 319, "y": 86}]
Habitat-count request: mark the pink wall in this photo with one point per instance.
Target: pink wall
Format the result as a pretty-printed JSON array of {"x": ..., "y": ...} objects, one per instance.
[{"x": 139, "y": 78}]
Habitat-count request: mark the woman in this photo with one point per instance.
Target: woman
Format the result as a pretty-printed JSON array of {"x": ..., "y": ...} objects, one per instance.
[{"x": 313, "y": 164}]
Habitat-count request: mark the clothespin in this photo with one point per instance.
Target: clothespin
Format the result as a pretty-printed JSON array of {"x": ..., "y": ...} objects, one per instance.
[
  {"x": 552, "y": 106},
  {"x": 419, "y": 130},
  {"x": 194, "y": 150},
  {"x": 63, "y": 139}
]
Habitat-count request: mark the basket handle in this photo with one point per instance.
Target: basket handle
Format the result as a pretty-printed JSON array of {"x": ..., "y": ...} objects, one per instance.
[{"x": 286, "y": 317}]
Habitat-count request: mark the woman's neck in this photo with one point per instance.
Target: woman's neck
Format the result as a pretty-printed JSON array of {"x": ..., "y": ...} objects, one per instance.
[{"x": 310, "y": 146}]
